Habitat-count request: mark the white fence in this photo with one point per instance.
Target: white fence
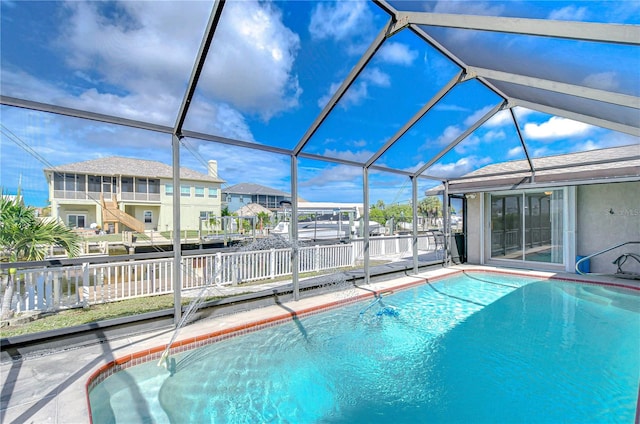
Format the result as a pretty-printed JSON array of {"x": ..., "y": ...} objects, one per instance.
[{"x": 54, "y": 288}]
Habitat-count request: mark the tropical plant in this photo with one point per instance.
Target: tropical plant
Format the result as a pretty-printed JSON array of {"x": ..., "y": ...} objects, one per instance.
[
  {"x": 24, "y": 237},
  {"x": 264, "y": 219},
  {"x": 430, "y": 207}
]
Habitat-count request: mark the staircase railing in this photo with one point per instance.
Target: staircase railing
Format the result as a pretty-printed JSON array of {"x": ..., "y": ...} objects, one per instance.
[
  {"x": 583, "y": 259},
  {"x": 111, "y": 212}
]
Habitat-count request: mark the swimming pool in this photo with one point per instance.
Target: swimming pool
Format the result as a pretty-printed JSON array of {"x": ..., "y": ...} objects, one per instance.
[{"x": 471, "y": 348}]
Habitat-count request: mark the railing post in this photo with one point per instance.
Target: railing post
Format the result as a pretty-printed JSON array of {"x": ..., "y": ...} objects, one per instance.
[
  {"x": 218, "y": 269},
  {"x": 48, "y": 290},
  {"x": 31, "y": 293},
  {"x": 56, "y": 288},
  {"x": 316, "y": 258},
  {"x": 85, "y": 283},
  {"x": 234, "y": 270},
  {"x": 397, "y": 244},
  {"x": 272, "y": 263}
]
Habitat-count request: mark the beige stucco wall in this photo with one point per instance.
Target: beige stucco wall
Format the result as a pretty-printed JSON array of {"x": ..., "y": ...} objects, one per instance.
[
  {"x": 190, "y": 207},
  {"x": 608, "y": 214},
  {"x": 474, "y": 224},
  {"x": 62, "y": 211}
]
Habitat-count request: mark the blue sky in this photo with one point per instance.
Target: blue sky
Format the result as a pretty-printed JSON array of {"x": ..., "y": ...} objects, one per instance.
[{"x": 271, "y": 69}]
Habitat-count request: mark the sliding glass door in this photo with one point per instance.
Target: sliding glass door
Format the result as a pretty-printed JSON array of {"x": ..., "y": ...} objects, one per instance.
[{"x": 527, "y": 226}]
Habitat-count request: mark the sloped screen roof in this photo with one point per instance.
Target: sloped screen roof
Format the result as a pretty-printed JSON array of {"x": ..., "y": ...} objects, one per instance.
[{"x": 421, "y": 89}]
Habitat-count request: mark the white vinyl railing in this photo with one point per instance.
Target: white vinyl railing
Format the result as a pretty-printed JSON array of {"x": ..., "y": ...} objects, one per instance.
[{"x": 57, "y": 287}]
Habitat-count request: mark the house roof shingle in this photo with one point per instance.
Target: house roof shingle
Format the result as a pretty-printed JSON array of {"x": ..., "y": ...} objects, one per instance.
[
  {"x": 611, "y": 164},
  {"x": 117, "y": 165},
  {"x": 251, "y": 188}
]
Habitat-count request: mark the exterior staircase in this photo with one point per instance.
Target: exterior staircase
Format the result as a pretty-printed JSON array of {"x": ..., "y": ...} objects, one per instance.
[{"x": 111, "y": 213}]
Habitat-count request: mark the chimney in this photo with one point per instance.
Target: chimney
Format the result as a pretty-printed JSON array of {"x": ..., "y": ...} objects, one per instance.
[{"x": 213, "y": 168}]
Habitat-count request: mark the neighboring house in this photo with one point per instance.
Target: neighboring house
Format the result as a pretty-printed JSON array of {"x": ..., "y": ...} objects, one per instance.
[
  {"x": 239, "y": 195},
  {"x": 119, "y": 193},
  {"x": 571, "y": 205}
]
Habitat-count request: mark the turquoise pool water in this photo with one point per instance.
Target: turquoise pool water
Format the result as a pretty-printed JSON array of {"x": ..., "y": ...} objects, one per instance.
[{"x": 473, "y": 348}]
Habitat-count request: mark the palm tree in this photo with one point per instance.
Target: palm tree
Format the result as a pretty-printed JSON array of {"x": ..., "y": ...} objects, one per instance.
[
  {"x": 264, "y": 218},
  {"x": 23, "y": 237}
]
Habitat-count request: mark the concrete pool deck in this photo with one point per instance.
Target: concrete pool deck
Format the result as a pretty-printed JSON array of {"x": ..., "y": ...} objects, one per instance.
[{"x": 51, "y": 388}]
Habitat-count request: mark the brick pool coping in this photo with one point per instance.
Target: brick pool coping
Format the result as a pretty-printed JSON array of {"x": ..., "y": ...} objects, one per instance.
[{"x": 155, "y": 353}]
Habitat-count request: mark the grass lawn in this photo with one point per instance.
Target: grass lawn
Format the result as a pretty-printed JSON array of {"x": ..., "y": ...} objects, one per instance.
[{"x": 103, "y": 311}]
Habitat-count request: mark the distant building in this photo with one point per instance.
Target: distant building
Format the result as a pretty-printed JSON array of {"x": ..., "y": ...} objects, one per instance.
[
  {"x": 118, "y": 193},
  {"x": 239, "y": 195}
]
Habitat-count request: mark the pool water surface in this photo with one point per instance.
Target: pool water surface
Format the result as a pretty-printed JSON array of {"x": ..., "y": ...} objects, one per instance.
[{"x": 471, "y": 348}]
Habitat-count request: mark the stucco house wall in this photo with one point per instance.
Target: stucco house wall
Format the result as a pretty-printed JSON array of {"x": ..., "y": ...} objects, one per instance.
[
  {"x": 607, "y": 215},
  {"x": 474, "y": 224}
]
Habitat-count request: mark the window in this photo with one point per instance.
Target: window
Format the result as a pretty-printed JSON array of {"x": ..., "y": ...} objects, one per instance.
[
  {"x": 528, "y": 226},
  {"x": 109, "y": 184},
  {"x": 73, "y": 182},
  {"x": 127, "y": 184},
  {"x": 185, "y": 191},
  {"x": 213, "y": 192},
  {"x": 148, "y": 217},
  {"x": 199, "y": 191},
  {"x": 168, "y": 189},
  {"x": 141, "y": 185},
  {"x": 154, "y": 186},
  {"x": 76, "y": 221},
  {"x": 58, "y": 181},
  {"x": 94, "y": 183}
]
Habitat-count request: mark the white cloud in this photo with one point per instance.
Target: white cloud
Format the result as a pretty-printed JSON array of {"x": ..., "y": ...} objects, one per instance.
[
  {"x": 500, "y": 119},
  {"x": 450, "y": 108},
  {"x": 515, "y": 152},
  {"x": 491, "y": 136},
  {"x": 460, "y": 167},
  {"x": 488, "y": 8},
  {"x": 556, "y": 128},
  {"x": 608, "y": 138},
  {"x": 236, "y": 165},
  {"x": 249, "y": 66},
  {"x": 475, "y": 116},
  {"x": 469, "y": 144},
  {"x": 449, "y": 134},
  {"x": 340, "y": 21},
  {"x": 358, "y": 156},
  {"x": 359, "y": 90},
  {"x": 569, "y": 13},
  {"x": 330, "y": 175},
  {"x": 220, "y": 119},
  {"x": 603, "y": 80},
  {"x": 253, "y": 61},
  {"x": 397, "y": 53},
  {"x": 376, "y": 77},
  {"x": 522, "y": 112}
]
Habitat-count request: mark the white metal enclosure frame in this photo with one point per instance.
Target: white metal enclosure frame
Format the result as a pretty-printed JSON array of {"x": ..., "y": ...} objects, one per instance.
[{"x": 613, "y": 110}]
